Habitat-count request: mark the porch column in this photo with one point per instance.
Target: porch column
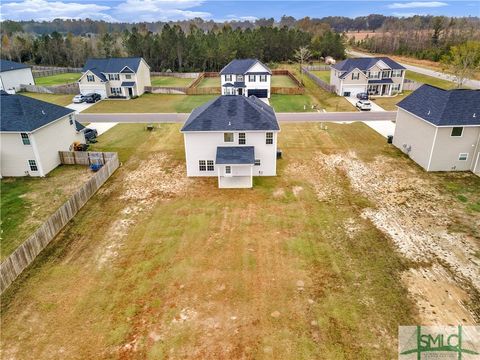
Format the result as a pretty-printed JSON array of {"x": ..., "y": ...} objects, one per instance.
[{"x": 390, "y": 90}]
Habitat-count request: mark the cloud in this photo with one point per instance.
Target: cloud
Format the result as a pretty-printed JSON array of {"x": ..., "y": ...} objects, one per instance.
[
  {"x": 158, "y": 10},
  {"x": 406, "y": 14},
  {"x": 417, "y": 4},
  {"x": 41, "y": 10},
  {"x": 238, "y": 18}
]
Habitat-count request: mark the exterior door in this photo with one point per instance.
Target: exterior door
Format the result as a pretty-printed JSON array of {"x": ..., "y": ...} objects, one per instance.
[
  {"x": 240, "y": 91},
  {"x": 130, "y": 92}
]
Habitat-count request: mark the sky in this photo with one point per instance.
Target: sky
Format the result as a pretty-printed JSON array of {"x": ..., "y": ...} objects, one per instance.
[{"x": 164, "y": 10}]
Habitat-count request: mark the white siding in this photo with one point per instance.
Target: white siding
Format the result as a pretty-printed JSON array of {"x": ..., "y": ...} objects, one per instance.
[
  {"x": 14, "y": 78},
  {"x": 14, "y": 155},
  {"x": 143, "y": 77}
]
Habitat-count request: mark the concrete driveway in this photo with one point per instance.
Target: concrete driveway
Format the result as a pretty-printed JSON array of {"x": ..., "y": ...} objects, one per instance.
[
  {"x": 79, "y": 107},
  {"x": 352, "y": 100}
]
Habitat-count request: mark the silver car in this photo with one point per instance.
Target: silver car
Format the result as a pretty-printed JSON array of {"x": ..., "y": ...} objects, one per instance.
[{"x": 364, "y": 105}]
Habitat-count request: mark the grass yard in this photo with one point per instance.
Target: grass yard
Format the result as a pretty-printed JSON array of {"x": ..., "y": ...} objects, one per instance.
[
  {"x": 210, "y": 82},
  {"x": 425, "y": 79},
  {"x": 58, "y": 79},
  {"x": 282, "y": 81},
  {"x": 26, "y": 202},
  {"x": 160, "y": 266},
  {"x": 151, "y": 103},
  {"x": 291, "y": 103},
  {"x": 62, "y": 100},
  {"x": 389, "y": 103},
  {"x": 323, "y": 75},
  {"x": 171, "y": 81}
]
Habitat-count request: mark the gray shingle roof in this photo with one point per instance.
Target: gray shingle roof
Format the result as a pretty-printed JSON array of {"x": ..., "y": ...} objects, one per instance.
[
  {"x": 111, "y": 65},
  {"x": 232, "y": 113},
  {"x": 444, "y": 107},
  {"x": 240, "y": 66},
  {"x": 365, "y": 64},
  {"x": 20, "y": 113},
  {"x": 7, "y": 65},
  {"x": 128, "y": 83},
  {"x": 231, "y": 155},
  {"x": 381, "y": 81}
]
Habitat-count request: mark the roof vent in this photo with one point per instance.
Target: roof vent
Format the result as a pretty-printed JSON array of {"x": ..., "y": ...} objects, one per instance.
[
  {"x": 474, "y": 115},
  {"x": 44, "y": 113},
  {"x": 428, "y": 112},
  {"x": 229, "y": 123}
]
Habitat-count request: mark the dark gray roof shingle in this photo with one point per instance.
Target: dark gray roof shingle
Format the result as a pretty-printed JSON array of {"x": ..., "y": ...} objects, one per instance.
[
  {"x": 240, "y": 66},
  {"x": 232, "y": 113},
  {"x": 7, "y": 65},
  {"x": 111, "y": 65},
  {"x": 231, "y": 155},
  {"x": 444, "y": 107},
  {"x": 20, "y": 113},
  {"x": 365, "y": 64},
  {"x": 380, "y": 81},
  {"x": 128, "y": 83}
]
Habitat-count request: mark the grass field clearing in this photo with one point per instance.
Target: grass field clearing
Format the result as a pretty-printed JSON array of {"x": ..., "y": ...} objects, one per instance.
[
  {"x": 171, "y": 81},
  {"x": 58, "y": 79},
  {"x": 210, "y": 82},
  {"x": 282, "y": 81}
]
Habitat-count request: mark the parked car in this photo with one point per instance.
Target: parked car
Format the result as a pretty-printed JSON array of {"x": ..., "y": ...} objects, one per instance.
[
  {"x": 364, "y": 105},
  {"x": 362, "y": 96},
  {"x": 78, "y": 99},
  {"x": 90, "y": 134},
  {"x": 92, "y": 98}
]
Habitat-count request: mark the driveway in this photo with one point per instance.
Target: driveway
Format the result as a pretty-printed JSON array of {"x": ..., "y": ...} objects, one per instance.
[
  {"x": 475, "y": 84},
  {"x": 101, "y": 127},
  {"x": 352, "y": 100},
  {"x": 79, "y": 107}
]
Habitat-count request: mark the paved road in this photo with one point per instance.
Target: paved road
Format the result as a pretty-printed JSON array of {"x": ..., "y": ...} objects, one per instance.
[
  {"x": 181, "y": 117},
  {"x": 475, "y": 84}
]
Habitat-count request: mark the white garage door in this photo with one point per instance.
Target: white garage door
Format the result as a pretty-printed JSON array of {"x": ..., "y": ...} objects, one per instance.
[
  {"x": 353, "y": 90},
  {"x": 101, "y": 91}
]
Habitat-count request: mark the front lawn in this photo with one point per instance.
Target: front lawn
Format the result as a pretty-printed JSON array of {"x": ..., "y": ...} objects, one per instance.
[
  {"x": 282, "y": 81},
  {"x": 291, "y": 103},
  {"x": 210, "y": 82},
  {"x": 171, "y": 81},
  {"x": 56, "y": 99},
  {"x": 151, "y": 103},
  {"x": 389, "y": 103},
  {"x": 58, "y": 79},
  {"x": 322, "y": 75}
]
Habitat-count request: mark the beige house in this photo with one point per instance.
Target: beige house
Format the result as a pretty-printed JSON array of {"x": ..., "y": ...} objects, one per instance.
[
  {"x": 14, "y": 74},
  {"x": 440, "y": 129},
  {"x": 379, "y": 76},
  {"x": 121, "y": 78},
  {"x": 32, "y": 132}
]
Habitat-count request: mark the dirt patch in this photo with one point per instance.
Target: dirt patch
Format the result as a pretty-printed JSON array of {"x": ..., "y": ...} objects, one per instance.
[{"x": 409, "y": 210}]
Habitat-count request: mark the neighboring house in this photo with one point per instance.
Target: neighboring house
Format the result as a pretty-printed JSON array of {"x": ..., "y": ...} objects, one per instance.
[
  {"x": 379, "y": 76},
  {"x": 233, "y": 138},
  {"x": 32, "y": 132},
  {"x": 440, "y": 129},
  {"x": 121, "y": 78},
  {"x": 13, "y": 74},
  {"x": 246, "y": 77}
]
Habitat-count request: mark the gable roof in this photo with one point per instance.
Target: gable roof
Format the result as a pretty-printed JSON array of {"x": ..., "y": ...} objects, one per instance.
[
  {"x": 365, "y": 64},
  {"x": 7, "y": 65},
  {"x": 111, "y": 65},
  {"x": 240, "y": 66},
  {"x": 20, "y": 113},
  {"x": 232, "y": 113},
  {"x": 444, "y": 107}
]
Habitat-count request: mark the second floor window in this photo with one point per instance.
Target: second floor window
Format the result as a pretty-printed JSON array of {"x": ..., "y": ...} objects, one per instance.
[
  {"x": 113, "y": 76},
  {"x": 457, "y": 131},
  {"x": 386, "y": 74},
  {"x": 228, "y": 77},
  {"x": 239, "y": 77},
  {"x": 90, "y": 78},
  {"x": 251, "y": 78},
  {"x": 228, "y": 137},
  {"x": 25, "y": 139},
  {"x": 263, "y": 78},
  {"x": 128, "y": 76},
  {"x": 355, "y": 76},
  {"x": 241, "y": 139},
  {"x": 269, "y": 138},
  {"x": 374, "y": 75}
]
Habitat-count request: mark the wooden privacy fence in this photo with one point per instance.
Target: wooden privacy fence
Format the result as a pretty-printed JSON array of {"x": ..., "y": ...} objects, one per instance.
[
  {"x": 318, "y": 81},
  {"x": 72, "y": 88},
  {"x": 411, "y": 84},
  {"x": 317, "y": 67},
  {"x": 40, "y": 71},
  {"x": 26, "y": 253},
  {"x": 193, "y": 89},
  {"x": 176, "y": 74}
]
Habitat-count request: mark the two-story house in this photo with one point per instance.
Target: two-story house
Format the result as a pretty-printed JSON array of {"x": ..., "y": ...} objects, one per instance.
[
  {"x": 440, "y": 129},
  {"x": 379, "y": 76},
  {"x": 115, "y": 77},
  {"x": 233, "y": 138},
  {"x": 246, "y": 77}
]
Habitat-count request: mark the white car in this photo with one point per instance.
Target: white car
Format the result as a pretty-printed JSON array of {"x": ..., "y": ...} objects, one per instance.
[
  {"x": 78, "y": 99},
  {"x": 364, "y": 105}
]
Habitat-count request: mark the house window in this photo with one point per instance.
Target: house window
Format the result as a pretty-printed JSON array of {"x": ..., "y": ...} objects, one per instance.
[
  {"x": 228, "y": 137},
  {"x": 373, "y": 75},
  {"x": 90, "y": 78},
  {"x": 269, "y": 138},
  {"x": 228, "y": 169},
  {"x": 263, "y": 78},
  {"x": 457, "y": 131},
  {"x": 395, "y": 87},
  {"x": 210, "y": 166},
  {"x": 33, "y": 165},
  {"x": 116, "y": 91},
  {"x": 202, "y": 165},
  {"x": 228, "y": 77},
  {"x": 251, "y": 78},
  {"x": 70, "y": 119},
  {"x": 241, "y": 139},
  {"x": 355, "y": 76},
  {"x": 113, "y": 76},
  {"x": 397, "y": 73},
  {"x": 257, "y": 162},
  {"x": 463, "y": 156},
  {"x": 385, "y": 74},
  {"x": 239, "y": 77},
  {"x": 25, "y": 139},
  {"x": 128, "y": 76}
]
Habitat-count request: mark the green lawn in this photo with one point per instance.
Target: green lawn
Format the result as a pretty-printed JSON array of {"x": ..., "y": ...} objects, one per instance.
[
  {"x": 210, "y": 82},
  {"x": 282, "y": 81},
  {"x": 59, "y": 79},
  {"x": 151, "y": 103},
  {"x": 26, "y": 202},
  {"x": 291, "y": 103},
  {"x": 323, "y": 75},
  {"x": 389, "y": 103},
  {"x": 51, "y": 98},
  {"x": 444, "y": 84},
  {"x": 171, "y": 81}
]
